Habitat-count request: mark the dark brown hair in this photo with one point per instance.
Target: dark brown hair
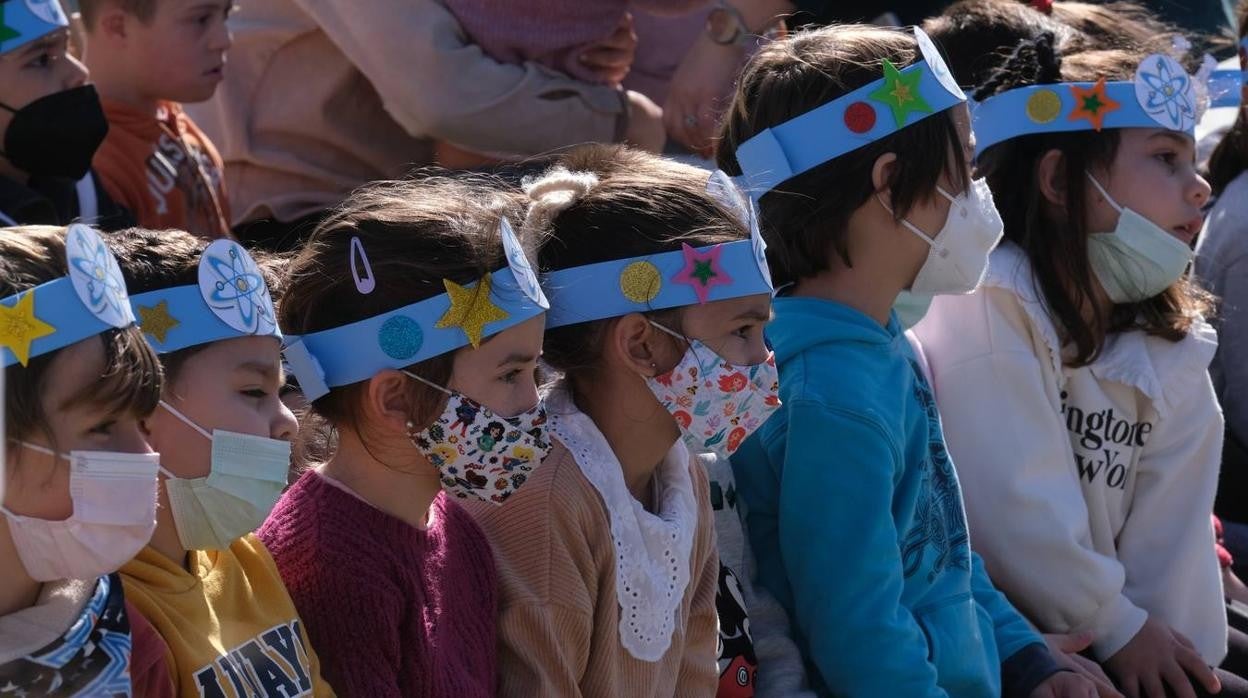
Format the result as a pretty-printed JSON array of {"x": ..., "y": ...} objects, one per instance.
[
  {"x": 1230, "y": 157},
  {"x": 131, "y": 380},
  {"x": 154, "y": 259},
  {"x": 415, "y": 233},
  {"x": 804, "y": 219},
  {"x": 601, "y": 203},
  {"x": 1055, "y": 239}
]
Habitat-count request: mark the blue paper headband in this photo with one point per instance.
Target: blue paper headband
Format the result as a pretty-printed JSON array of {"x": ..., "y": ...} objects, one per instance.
[
  {"x": 1162, "y": 94},
  {"x": 230, "y": 300},
  {"x": 1225, "y": 88},
  {"x": 23, "y": 21},
  {"x": 673, "y": 279},
  {"x": 425, "y": 329},
  {"x": 900, "y": 99},
  {"x": 91, "y": 299}
]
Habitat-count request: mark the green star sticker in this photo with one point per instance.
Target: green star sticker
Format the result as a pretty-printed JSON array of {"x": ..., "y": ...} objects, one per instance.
[
  {"x": 702, "y": 271},
  {"x": 6, "y": 32},
  {"x": 901, "y": 93}
]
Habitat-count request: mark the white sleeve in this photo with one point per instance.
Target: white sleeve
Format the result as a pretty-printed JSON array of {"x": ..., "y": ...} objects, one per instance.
[
  {"x": 435, "y": 83},
  {"x": 1167, "y": 542}
]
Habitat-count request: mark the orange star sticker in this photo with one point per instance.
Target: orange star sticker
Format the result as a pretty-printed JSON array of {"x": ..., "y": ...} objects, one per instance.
[
  {"x": 19, "y": 327},
  {"x": 1092, "y": 104}
]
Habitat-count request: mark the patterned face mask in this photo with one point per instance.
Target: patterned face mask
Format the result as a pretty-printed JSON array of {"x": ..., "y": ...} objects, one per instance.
[
  {"x": 479, "y": 453},
  {"x": 716, "y": 404}
]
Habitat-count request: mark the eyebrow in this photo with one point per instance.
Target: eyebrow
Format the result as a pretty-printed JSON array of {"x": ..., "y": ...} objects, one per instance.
[
  {"x": 755, "y": 314},
  {"x": 45, "y": 43},
  {"x": 1180, "y": 138},
  {"x": 263, "y": 368},
  {"x": 518, "y": 358}
]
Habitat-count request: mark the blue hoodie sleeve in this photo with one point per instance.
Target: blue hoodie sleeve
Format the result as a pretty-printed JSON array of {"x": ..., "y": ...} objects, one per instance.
[
  {"x": 838, "y": 543},
  {"x": 1024, "y": 657}
]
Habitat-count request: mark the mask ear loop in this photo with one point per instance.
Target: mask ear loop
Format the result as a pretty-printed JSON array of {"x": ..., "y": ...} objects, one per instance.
[
  {"x": 907, "y": 224},
  {"x": 186, "y": 420},
  {"x": 431, "y": 384},
  {"x": 1104, "y": 193}
]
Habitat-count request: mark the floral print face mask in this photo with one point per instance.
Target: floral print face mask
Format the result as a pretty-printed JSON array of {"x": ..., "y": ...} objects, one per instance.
[
  {"x": 478, "y": 453},
  {"x": 715, "y": 403}
]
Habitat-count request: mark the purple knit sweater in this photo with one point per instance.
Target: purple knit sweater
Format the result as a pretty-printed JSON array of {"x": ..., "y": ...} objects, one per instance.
[
  {"x": 550, "y": 32},
  {"x": 391, "y": 610}
]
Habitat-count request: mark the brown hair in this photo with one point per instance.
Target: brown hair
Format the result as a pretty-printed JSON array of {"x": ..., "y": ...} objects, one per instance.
[
  {"x": 415, "y": 233},
  {"x": 1230, "y": 157},
  {"x": 602, "y": 203},
  {"x": 144, "y": 10},
  {"x": 1055, "y": 239},
  {"x": 154, "y": 259},
  {"x": 131, "y": 380},
  {"x": 804, "y": 218}
]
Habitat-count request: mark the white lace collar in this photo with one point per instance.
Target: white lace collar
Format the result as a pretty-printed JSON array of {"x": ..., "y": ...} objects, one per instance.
[{"x": 652, "y": 551}]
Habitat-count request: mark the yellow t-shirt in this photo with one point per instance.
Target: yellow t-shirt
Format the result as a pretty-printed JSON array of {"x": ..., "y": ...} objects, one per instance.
[{"x": 231, "y": 627}]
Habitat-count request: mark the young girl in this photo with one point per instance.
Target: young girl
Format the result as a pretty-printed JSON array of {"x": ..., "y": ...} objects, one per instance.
[
  {"x": 80, "y": 495},
  {"x": 420, "y": 325},
  {"x": 1073, "y": 384},
  {"x": 607, "y": 564},
  {"x": 856, "y": 142},
  {"x": 205, "y": 581}
]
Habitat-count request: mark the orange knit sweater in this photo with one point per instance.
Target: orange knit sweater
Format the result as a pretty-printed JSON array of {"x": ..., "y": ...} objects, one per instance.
[{"x": 559, "y": 618}]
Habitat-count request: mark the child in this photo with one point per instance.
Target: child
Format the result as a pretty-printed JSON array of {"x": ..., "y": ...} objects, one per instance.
[
  {"x": 607, "y": 564},
  {"x": 1073, "y": 384},
  {"x": 51, "y": 123},
  {"x": 205, "y": 581},
  {"x": 420, "y": 324},
  {"x": 864, "y": 188},
  {"x": 146, "y": 57},
  {"x": 1221, "y": 259},
  {"x": 81, "y": 481}
]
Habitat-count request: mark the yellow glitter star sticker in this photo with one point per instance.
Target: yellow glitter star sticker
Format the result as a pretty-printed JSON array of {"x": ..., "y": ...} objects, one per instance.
[
  {"x": 157, "y": 321},
  {"x": 471, "y": 309},
  {"x": 19, "y": 327}
]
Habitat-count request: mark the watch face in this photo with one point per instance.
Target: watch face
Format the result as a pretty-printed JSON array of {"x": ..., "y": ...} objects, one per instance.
[{"x": 722, "y": 27}]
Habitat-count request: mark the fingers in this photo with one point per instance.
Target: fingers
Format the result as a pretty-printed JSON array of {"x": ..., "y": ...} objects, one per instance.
[
  {"x": 1180, "y": 685},
  {"x": 1196, "y": 668},
  {"x": 1151, "y": 686},
  {"x": 1076, "y": 642},
  {"x": 611, "y": 65}
]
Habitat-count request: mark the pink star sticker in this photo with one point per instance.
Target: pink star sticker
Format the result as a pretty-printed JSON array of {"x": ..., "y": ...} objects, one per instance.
[{"x": 702, "y": 271}]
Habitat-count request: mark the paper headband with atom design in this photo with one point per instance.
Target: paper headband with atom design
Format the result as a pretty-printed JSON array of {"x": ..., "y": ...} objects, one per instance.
[
  {"x": 23, "y": 21},
  {"x": 879, "y": 109},
  {"x": 90, "y": 300},
  {"x": 688, "y": 276},
  {"x": 465, "y": 314},
  {"x": 1161, "y": 95},
  {"x": 231, "y": 300}
]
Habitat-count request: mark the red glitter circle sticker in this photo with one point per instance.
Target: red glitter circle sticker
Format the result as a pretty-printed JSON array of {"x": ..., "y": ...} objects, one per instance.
[{"x": 860, "y": 117}]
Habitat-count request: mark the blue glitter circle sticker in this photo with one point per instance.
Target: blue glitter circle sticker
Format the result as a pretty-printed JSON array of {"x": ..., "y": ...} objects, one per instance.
[{"x": 400, "y": 337}]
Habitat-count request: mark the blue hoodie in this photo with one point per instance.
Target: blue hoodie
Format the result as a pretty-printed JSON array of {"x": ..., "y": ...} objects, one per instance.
[{"x": 855, "y": 515}]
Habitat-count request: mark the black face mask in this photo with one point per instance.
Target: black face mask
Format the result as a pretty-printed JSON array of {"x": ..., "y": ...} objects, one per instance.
[{"x": 57, "y": 135}]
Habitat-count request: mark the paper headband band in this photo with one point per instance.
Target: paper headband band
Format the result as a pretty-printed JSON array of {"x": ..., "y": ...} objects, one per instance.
[
  {"x": 463, "y": 315},
  {"x": 879, "y": 109},
  {"x": 673, "y": 279},
  {"x": 230, "y": 300},
  {"x": 91, "y": 299},
  {"x": 23, "y": 21},
  {"x": 1162, "y": 94},
  {"x": 1225, "y": 88}
]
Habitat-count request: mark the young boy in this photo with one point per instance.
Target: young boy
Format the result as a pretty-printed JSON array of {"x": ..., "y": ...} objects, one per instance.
[
  {"x": 51, "y": 124},
  {"x": 856, "y": 142},
  {"x": 147, "y": 57},
  {"x": 205, "y": 581}
]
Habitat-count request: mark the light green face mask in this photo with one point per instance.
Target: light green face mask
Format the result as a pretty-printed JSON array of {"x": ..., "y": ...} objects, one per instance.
[
  {"x": 1139, "y": 259},
  {"x": 248, "y": 475},
  {"x": 911, "y": 307}
]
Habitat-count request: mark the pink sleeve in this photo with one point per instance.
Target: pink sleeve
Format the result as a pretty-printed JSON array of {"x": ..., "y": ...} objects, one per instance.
[{"x": 149, "y": 658}]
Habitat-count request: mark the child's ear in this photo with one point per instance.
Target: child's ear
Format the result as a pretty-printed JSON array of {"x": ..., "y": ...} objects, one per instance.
[
  {"x": 388, "y": 401},
  {"x": 882, "y": 173},
  {"x": 631, "y": 342},
  {"x": 112, "y": 21},
  {"x": 1050, "y": 177}
]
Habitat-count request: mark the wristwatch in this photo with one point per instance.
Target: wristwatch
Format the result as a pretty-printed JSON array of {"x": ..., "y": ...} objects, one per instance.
[{"x": 726, "y": 26}]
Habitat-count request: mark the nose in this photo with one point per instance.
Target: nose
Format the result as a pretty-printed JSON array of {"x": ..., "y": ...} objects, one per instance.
[
  {"x": 284, "y": 425},
  {"x": 75, "y": 73},
  {"x": 222, "y": 37},
  {"x": 128, "y": 437},
  {"x": 1200, "y": 191}
]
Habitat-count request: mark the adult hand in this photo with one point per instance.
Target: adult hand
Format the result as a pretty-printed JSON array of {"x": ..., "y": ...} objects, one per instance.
[
  {"x": 645, "y": 123},
  {"x": 1065, "y": 684},
  {"x": 612, "y": 57},
  {"x": 699, "y": 91},
  {"x": 1158, "y": 657},
  {"x": 1065, "y": 650}
]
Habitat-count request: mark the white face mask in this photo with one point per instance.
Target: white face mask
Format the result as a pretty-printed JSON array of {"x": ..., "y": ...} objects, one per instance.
[
  {"x": 248, "y": 475},
  {"x": 1138, "y": 260},
  {"x": 958, "y": 258},
  {"x": 114, "y": 498}
]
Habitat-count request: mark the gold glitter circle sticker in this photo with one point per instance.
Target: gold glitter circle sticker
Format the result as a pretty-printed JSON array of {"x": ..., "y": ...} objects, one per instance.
[
  {"x": 640, "y": 282},
  {"x": 1043, "y": 106}
]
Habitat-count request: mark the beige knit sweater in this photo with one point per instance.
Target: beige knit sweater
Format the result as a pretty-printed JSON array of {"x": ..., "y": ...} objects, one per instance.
[{"x": 558, "y": 614}]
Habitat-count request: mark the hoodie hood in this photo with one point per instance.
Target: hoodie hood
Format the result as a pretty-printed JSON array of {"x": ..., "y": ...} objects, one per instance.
[{"x": 803, "y": 323}]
